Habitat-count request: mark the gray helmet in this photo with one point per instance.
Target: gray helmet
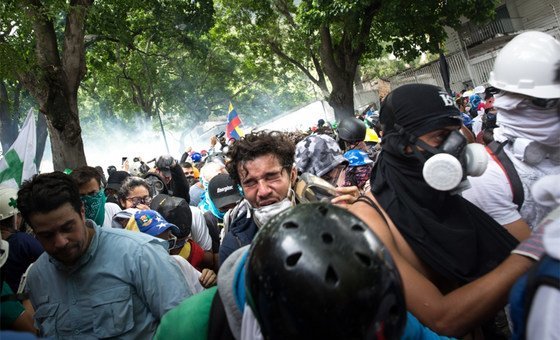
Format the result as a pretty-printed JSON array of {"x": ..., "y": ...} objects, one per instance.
[
  {"x": 318, "y": 154},
  {"x": 351, "y": 130}
]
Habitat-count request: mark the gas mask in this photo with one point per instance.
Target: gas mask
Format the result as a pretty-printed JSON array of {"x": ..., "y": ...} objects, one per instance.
[
  {"x": 449, "y": 165},
  {"x": 310, "y": 188},
  {"x": 264, "y": 214},
  {"x": 533, "y": 153}
]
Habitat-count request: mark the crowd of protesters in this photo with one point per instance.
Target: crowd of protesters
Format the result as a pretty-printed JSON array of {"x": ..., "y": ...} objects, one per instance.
[{"x": 435, "y": 217}]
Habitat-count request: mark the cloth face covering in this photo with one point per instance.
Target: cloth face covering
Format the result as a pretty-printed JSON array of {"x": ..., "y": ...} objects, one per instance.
[
  {"x": 95, "y": 206},
  {"x": 451, "y": 235},
  {"x": 517, "y": 118}
]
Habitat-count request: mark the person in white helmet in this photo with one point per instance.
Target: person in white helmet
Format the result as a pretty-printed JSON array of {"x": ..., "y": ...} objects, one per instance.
[
  {"x": 13, "y": 315},
  {"x": 526, "y": 143},
  {"x": 24, "y": 248}
]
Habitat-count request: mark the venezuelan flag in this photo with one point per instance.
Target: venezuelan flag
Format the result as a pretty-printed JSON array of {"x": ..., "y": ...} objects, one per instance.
[{"x": 233, "y": 127}]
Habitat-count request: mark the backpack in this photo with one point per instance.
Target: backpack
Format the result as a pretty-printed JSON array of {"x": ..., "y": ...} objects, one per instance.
[
  {"x": 496, "y": 151},
  {"x": 545, "y": 272}
]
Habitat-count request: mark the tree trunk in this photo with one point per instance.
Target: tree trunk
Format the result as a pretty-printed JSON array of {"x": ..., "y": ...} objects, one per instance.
[
  {"x": 64, "y": 128},
  {"x": 341, "y": 98},
  {"x": 41, "y": 139},
  {"x": 8, "y": 117},
  {"x": 58, "y": 80}
]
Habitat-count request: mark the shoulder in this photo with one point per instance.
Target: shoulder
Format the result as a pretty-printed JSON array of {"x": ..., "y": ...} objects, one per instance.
[
  {"x": 190, "y": 317},
  {"x": 112, "y": 208},
  {"x": 196, "y": 213},
  {"x": 21, "y": 239},
  {"x": 112, "y": 236}
]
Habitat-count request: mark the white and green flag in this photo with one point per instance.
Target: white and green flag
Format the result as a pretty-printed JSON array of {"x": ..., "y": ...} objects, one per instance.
[{"x": 18, "y": 163}]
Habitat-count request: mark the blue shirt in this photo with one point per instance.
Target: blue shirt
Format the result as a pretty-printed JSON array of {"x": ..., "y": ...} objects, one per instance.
[
  {"x": 120, "y": 287},
  {"x": 24, "y": 250}
]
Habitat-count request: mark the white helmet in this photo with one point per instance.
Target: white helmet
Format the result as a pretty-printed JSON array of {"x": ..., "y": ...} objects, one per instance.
[
  {"x": 528, "y": 65},
  {"x": 8, "y": 197}
]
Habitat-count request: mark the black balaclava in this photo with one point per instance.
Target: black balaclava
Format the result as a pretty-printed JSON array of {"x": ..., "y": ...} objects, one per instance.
[{"x": 447, "y": 232}]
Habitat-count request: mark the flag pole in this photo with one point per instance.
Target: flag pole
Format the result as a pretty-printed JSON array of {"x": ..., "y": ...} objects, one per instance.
[{"x": 162, "y": 129}]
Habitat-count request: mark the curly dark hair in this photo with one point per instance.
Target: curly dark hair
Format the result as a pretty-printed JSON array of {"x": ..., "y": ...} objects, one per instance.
[
  {"x": 257, "y": 144},
  {"x": 47, "y": 192}
]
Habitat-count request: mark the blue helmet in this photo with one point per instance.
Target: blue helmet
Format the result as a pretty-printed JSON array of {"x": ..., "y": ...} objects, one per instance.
[
  {"x": 196, "y": 157},
  {"x": 357, "y": 157}
]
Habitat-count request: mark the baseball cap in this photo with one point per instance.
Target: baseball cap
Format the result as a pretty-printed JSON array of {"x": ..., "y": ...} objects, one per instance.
[
  {"x": 116, "y": 179},
  {"x": 149, "y": 222},
  {"x": 318, "y": 154},
  {"x": 418, "y": 109},
  {"x": 223, "y": 191},
  {"x": 164, "y": 165}
]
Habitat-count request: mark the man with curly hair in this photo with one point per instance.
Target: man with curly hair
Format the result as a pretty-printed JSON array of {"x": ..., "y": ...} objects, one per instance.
[{"x": 262, "y": 163}]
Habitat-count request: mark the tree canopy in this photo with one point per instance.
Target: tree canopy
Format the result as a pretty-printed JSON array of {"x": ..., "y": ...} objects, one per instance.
[{"x": 123, "y": 60}]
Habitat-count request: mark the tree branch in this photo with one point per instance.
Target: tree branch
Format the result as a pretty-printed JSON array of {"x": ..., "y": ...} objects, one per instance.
[
  {"x": 278, "y": 51},
  {"x": 73, "y": 57}
]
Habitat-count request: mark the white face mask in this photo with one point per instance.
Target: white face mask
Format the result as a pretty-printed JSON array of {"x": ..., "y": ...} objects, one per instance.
[
  {"x": 264, "y": 214},
  {"x": 517, "y": 118}
]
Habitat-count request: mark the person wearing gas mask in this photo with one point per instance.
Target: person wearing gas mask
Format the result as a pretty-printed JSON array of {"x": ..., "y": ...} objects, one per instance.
[
  {"x": 93, "y": 196},
  {"x": 526, "y": 143},
  {"x": 174, "y": 180},
  {"x": 439, "y": 240}
]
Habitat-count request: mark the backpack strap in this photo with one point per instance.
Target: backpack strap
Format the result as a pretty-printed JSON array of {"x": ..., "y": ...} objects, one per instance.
[
  {"x": 546, "y": 272},
  {"x": 372, "y": 204},
  {"x": 496, "y": 151}
]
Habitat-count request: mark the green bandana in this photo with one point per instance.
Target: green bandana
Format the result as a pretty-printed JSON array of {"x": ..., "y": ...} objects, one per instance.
[{"x": 95, "y": 206}]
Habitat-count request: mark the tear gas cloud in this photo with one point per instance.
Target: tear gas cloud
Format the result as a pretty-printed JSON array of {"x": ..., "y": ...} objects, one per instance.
[{"x": 108, "y": 142}]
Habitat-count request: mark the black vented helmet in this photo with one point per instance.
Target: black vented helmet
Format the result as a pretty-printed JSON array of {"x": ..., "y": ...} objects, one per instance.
[
  {"x": 316, "y": 271},
  {"x": 175, "y": 210},
  {"x": 351, "y": 130}
]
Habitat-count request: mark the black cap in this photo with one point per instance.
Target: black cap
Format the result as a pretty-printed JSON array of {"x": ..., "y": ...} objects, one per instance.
[
  {"x": 223, "y": 191},
  {"x": 418, "y": 109},
  {"x": 116, "y": 179},
  {"x": 164, "y": 165}
]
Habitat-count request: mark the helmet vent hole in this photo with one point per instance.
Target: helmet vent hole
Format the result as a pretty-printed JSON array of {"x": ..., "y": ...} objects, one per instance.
[
  {"x": 331, "y": 277},
  {"x": 323, "y": 210},
  {"x": 357, "y": 227},
  {"x": 290, "y": 225},
  {"x": 327, "y": 238},
  {"x": 293, "y": 259},
  {"x": 363, "y": 258}
]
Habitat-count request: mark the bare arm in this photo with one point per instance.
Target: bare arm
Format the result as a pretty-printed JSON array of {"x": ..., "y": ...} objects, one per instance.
[
  {"x": 458, "y": 312},
  {"x": 519, "y": 229}
]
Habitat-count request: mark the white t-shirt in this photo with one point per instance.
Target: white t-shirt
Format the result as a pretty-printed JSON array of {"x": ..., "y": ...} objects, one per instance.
[
  {"x": 190, "y": 274},
  {"x": 477, "y": 125},
  {"x": 199, "y": 230},
  {"x": 111, "y": 209},
  {"x": 492, "y": 192}
]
